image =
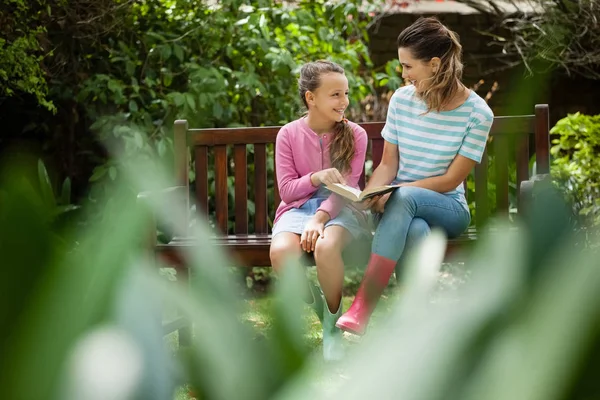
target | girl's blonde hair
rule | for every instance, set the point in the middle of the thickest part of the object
(341, 150)
(427, 38)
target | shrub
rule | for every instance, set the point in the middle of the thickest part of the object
(576, 150)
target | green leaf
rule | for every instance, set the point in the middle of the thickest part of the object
(65, 195)
(45, 185)
(99, 172)
(167, 79)
(156, 36)
(178, 98)
(133, 107)
(114, 86)
(112, 172)
(178, 50)
(165, 51)
(130, 68)
(139, 140)
(189, 98)
(217, 110)
(161, 147)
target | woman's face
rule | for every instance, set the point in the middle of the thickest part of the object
(417, 72)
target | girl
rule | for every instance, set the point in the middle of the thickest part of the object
(435, 132)
(319, 149)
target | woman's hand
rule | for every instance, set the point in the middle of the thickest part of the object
(378, 205)
(313, 230)
(368, 203)
(327, 177)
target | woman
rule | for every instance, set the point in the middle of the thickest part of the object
(435, 132)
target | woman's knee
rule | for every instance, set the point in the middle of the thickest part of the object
(402, 197)
(417, 231)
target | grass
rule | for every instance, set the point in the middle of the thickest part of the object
(260, 313)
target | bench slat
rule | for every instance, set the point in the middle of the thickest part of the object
(243, 135)
(221, 196)
(260, 188)
(241, 194)
(522, 124)
(201, 169)
(362, 181)
(542, 139)
(501, 152)
(276, 196)
(481, 195)
(522, 152)
(377, 151)
(181, 152)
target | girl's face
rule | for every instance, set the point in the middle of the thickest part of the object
(417, 72)
(330, 100)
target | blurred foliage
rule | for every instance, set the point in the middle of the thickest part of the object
(85, 321)
(575, 166)
(57, 201)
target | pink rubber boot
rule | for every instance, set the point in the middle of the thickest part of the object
(377, 275)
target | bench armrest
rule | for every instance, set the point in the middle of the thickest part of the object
(526, 191)
(170, 191)
(169, 208)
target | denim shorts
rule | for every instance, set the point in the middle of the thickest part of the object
(295, 220)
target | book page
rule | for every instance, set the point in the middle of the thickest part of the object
(350, 189)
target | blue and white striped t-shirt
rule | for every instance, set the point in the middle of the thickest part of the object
(429, 141)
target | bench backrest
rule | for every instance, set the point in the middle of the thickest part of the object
(231, 149)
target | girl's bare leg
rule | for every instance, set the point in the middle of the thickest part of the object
(330, 265)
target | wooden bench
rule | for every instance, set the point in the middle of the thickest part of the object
(244, 152)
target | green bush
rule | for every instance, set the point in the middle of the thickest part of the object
(575, 166)
(231, 65)
(21, 51)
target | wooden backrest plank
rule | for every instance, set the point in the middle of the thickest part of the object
(267, 134)
(542, 139)
(501, 144)
(181, 152)
(221, 195)
(522, 160)
(276, 196)
(362, 181)
(241, 191)
(377, 146)
(260, 188)
(201, 170)
(481, 191)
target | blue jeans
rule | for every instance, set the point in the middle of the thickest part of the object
(409, 215)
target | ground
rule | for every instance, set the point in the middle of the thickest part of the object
(259, 314)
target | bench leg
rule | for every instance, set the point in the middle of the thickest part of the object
(185, 336)
(185, 332)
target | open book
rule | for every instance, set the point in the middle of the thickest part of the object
(356, 195)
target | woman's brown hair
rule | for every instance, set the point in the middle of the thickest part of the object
(341, 150)
(427, 38)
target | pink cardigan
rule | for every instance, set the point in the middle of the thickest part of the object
(299, 153)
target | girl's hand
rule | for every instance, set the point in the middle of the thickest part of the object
(313, 230)
(327, 177)
(378, 205)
